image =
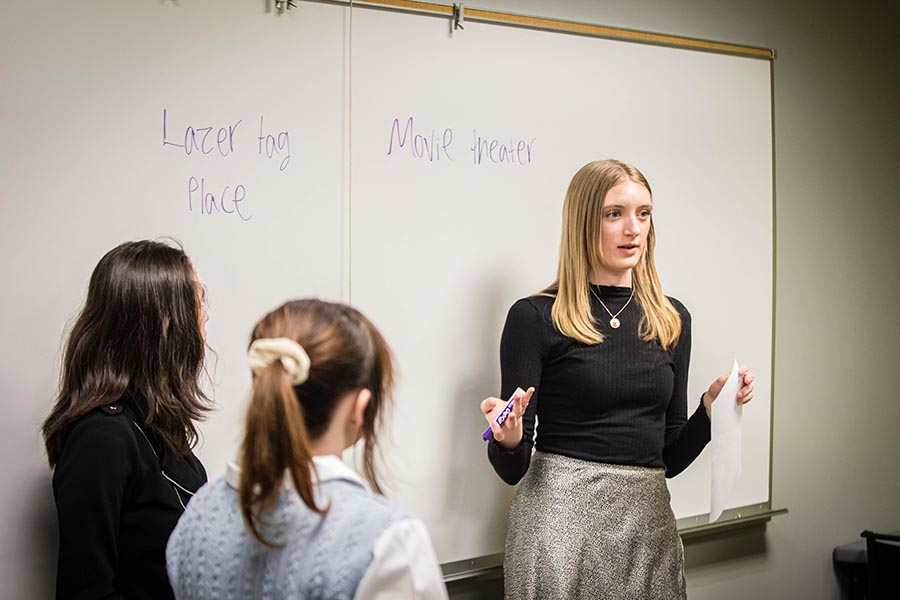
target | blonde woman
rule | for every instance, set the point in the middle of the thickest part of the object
(606, 355)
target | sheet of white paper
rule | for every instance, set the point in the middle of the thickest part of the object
(726, 444)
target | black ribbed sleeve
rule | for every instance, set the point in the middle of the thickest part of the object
(620, 402)
(522, 354)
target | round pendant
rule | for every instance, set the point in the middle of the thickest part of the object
(614, 323)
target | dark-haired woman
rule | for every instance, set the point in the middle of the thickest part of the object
(120, 434)
(294, 521)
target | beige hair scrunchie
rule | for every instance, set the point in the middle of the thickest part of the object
(263, 352)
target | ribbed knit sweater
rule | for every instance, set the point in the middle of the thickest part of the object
(622, 402)
(211, 555)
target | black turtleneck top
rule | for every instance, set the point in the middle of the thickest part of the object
(621, 402)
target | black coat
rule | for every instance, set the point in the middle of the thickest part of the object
(119, 493)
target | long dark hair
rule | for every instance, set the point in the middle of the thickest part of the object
(138, 333)
(346, 353)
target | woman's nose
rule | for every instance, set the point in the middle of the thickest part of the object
(632, 225)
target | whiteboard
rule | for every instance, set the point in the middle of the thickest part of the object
(432, 241)
(462, 148)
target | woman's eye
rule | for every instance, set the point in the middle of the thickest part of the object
(613, 214)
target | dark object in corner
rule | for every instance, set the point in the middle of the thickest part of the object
(883, 551)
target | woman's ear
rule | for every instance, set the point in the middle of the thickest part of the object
(358, 406)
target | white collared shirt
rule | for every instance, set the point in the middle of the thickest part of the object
(404, 565)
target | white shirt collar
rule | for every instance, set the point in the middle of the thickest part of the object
(328, 468)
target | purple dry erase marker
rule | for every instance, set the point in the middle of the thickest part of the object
(487, 435)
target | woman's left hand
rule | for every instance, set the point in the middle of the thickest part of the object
(745, 394)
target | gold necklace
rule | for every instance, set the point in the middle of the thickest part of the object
(613, 318)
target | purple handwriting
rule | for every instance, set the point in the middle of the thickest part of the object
(197, 138)
(228, 201)
(209, 140)
(206, 140)
(516, 152)
(432, 147)
(275, 145)
(427, 148)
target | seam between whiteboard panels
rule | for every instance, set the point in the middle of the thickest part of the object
(349, 175)
(350, 163)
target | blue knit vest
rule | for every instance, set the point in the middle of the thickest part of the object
(212, 555)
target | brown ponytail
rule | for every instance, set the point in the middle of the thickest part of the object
(275, 441)
(346, 353)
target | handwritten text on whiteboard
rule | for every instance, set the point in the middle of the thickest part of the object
(437, 145)
(211, 198)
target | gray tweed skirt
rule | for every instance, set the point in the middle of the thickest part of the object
(580, 529)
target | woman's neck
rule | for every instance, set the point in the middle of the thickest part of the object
(330, 442)
(604, 277)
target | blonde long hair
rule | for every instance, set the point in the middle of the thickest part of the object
(580, 253)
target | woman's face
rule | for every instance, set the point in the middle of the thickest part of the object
(625, 225)
(201, 299)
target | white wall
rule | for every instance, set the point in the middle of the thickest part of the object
(837, 148)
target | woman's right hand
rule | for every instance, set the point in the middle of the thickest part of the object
(508, 435)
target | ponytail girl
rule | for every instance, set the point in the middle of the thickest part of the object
(292, 520)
